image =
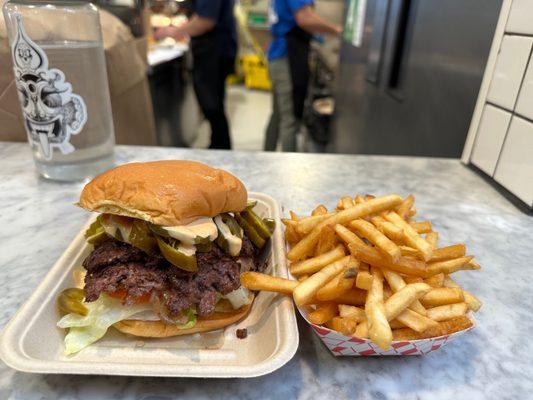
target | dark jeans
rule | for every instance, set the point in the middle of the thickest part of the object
(209, 79)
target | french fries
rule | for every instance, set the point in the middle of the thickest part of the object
(413, 279)
(443, 328)
(415, 321)
(308, 288)
(397, 283)
(306, 225)
(338, 285)
(441, 296)
(448, 252)
(323, 313)
(406, 265)
(446, 312)
(388, 228)
(346, 326)
(356, 313)
(403, 298)
(369, 270)
(449, 266)
(405, 207)
(259, 281)
(345, 203)
(411, 236)
(421, 227)
(305, 246)
(435, 280)
(382, 242)
(319, 210)
(363, 280)
(352, 297)
(433, 239)
(327, 240)
(376, 318)
(472, 301)
(312, 265)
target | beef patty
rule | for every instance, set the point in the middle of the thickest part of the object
(115, 265)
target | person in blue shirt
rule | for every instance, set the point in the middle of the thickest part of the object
(292, 24)
(214, 47)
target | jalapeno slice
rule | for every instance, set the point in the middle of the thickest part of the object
(232, 224)
(158, 230)
(203, 245)
(250, 231)
(257, 223)
(251, 204)
(222, 242)
(142, 238)
(95, 234)
(71, 301)
(169, 250)
(270, 223)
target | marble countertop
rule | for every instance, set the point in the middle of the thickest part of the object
(38, 221)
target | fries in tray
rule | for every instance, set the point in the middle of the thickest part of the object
(369, 272)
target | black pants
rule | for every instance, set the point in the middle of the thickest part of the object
(209, 79)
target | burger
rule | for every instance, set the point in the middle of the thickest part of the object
(166, 253)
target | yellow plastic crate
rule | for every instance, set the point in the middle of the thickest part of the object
(255, 70)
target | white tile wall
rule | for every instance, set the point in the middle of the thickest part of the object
(520, 17)
(515, 167)
(524, 105)
(491, 133)
(509, 71)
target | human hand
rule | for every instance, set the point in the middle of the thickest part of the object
(170, 31)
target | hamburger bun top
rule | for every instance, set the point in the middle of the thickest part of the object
(168, 193)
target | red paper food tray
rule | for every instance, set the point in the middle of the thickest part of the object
(341, 345)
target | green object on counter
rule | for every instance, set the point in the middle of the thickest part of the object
(169, 250)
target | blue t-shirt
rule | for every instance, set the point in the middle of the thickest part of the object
(222, 12)
(281, 19)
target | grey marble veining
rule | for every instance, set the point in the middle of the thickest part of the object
(38, 220)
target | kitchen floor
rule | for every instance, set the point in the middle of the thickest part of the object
(248, 112)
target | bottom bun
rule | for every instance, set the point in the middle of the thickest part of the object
(159, 329)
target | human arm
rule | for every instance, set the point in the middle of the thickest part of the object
(310, 21)
(196, 26)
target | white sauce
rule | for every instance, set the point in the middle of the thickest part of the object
(234, 242)
(239, 297)
(187, 249)
(114, 223)
(202, 227)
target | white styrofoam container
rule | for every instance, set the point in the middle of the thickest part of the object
(31, 342)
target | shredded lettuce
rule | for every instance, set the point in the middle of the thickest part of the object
(104, 312)
(192, 318)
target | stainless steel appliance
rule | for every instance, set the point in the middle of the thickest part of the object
(411, 87)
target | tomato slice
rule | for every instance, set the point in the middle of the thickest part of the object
(121, 295)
